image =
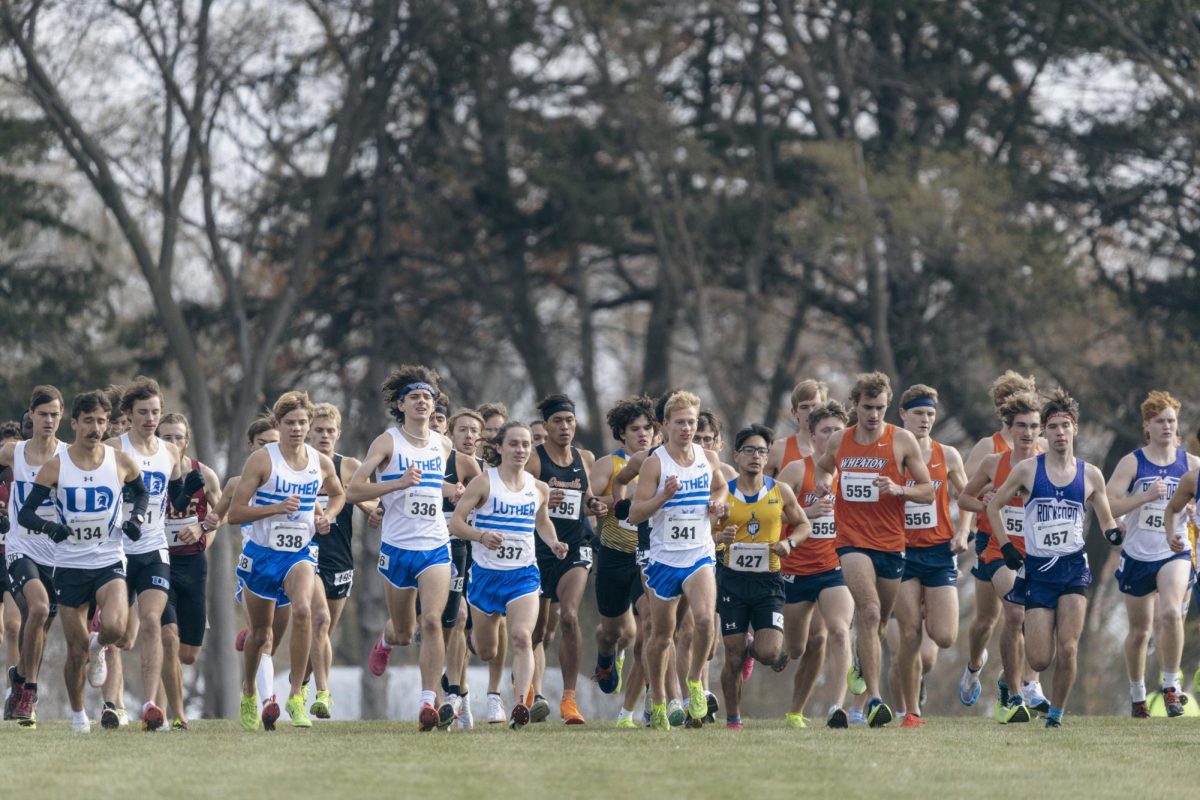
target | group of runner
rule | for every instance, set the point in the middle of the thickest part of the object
(818, 546)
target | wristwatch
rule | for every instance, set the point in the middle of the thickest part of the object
(137, 517)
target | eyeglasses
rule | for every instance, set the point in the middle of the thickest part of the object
(753, 451)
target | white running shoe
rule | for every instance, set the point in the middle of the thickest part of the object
(495, 714)
(97, 666)
(81, 725)
(465, 721)
(968, 686)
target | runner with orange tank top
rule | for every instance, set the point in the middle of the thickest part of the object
(993, 580)
(928, 598)
(813, 580)
(871, 458)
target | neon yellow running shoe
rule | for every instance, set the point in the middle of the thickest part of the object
(696, 698)
(658, 717)
(620, 667)
(304, 693)
(854, 679)
(796, 721)
(295, 709)
(322, 707)
(627, 724)
(248, 713)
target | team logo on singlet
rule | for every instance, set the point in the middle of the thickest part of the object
(753, 526)
(863, 462)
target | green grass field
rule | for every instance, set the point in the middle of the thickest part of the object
(1091, 757)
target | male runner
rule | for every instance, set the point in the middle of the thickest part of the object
(1022, 417)
(277, 495)
(1155, 560)
(439, 420)
(564, 468)
(872, 457)
(190, 530)
(10, 433)
(409, 462)
(680, 488)
(813, 580)
(751, 591)
(1055, 574)
(928, 597)
(88, 479)
(29, 557)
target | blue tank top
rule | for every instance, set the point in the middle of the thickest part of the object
(1054, 514)
(1145, 536)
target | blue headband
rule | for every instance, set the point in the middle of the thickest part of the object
(412, 387)
(920, 402)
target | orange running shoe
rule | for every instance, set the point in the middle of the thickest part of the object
(912, 721)
(569, 710)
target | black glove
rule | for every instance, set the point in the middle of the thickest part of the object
(621, 509)
(57, 532)
(193, 482)
(132, 530)
(1114, 536)
(1012, 556)
(3, 523)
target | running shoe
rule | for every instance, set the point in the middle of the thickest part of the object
(795, 720)
(247, 713)
(969, 687)
(733, 726)
(152, 717)
(239, 641)
(854, 679)
(94, 622)
(270, 713)
(519, 717)
(428, 718)
(1172, 702)
(377, 661)
(1015, 711)
(295, 709)
(922, 697)
(1051, 722)
(912, 721)
(448, 711)
(322, 707)
(465, 721)
(620, 671)
(713, 707)
(1140, 711)
(122, 718)
(857, 717)
(626, 723)
(539, 709)
(607, 678)
(781, 663)
(837, 719)
(25, 704)
(569, 711)
(748, 659)
(97, 667)
(10, 702)
(179, 725)
(110, 721)
(696, 697)
(675, 714)
(878, 713)
(81, 725)
(1196, 680)
(495, 711)
(658, 717)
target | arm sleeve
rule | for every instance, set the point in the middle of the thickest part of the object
(28, 514)
(135, 491)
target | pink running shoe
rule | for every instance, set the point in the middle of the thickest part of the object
(748, 663)
(239, 643)
(378, 660)
(94, 625)
(733, 726)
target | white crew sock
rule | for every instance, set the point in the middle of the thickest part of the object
(1137, 691)
(264, 679)
(1170, 680)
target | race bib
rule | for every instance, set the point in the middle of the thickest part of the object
(859, 487)
(87, 529)
(245, 563)
(513, 549)
(343, 578)
(750, 556)
(570, 506)
(585, 554)
(422, 503)
(822, 527)
(1014, 520)
(176, 527)
(626, 525)
(1151, 517)
(289, 536)
(1056, 537)
(683, 527)
(920, 515)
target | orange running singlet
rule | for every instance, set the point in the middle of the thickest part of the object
(929, 525)
(998, 446)
(1014, 519)
(817, 553)
(865, 517)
